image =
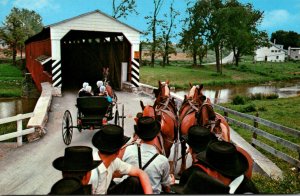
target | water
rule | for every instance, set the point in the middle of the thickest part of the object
(225, 94)
(13, 106)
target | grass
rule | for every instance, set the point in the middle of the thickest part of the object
(12, 127)
(181, 73)
(10, 81)
(283, 111)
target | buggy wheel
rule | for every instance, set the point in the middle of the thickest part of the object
(79, 125)
(123, 116)
(117, 122)
(67, 127)
(175, 158)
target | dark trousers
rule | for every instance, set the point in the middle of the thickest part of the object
(130, 185)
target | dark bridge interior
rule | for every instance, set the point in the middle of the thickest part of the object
(85, 53)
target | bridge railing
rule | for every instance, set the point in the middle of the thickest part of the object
(20, 131)
(257, 131)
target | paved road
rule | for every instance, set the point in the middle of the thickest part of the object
(28, 170)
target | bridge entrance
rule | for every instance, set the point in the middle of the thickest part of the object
(85, 53)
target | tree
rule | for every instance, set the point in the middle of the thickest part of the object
(18, 26)
(167, 33)
(123, 7)
(192, 35)
(206, 13)
(286, 38)
(240, 34)
(153, 21)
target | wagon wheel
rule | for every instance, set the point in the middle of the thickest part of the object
(67, 127)
(79, 123)
(117, 121)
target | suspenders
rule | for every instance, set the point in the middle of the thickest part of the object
(140, 158)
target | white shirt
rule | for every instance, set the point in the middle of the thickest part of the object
(94, 180)
(102, 176)
(158, 170)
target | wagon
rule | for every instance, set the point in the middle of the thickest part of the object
(92, 113)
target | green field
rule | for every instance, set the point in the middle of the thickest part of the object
(181, 73)
(281, 111)
(10, 81)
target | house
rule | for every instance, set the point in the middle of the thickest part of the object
(76, 50)
(294, 53)
(273, 53)
(3, 45)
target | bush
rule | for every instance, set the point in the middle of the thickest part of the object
(261, 96)
(272, 96)
(262, 109)
(257, 96)
(248, 108)
(238, 100)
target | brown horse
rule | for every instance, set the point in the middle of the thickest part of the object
(196, 109)
(165, 111)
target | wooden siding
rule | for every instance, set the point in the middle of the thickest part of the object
(94, 22)
(34, 50)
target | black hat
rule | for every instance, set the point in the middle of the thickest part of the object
(201, 183)
(76, 158)
(223, 157)
(67, 186)
(198, 138)
(147, 128)
(110, 138)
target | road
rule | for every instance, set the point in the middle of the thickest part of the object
(28, 170)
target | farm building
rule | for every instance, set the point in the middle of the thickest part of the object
(273, 53)
(294, 53)
(76, 50)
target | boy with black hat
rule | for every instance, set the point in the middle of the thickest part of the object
(78, 162)
(109, 141)
(197, 138)
(146, 156)
(68, 186)
(223, 161)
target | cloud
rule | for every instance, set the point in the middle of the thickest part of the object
(36, 5)
(3, 2)
(276, 18)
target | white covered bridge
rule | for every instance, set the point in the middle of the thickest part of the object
(75, 50)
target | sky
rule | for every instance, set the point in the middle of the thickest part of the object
(278, 14)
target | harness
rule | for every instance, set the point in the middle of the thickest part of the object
(167, 109)
(194, 106)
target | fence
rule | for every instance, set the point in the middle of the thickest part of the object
(20, 132)
(256, 131)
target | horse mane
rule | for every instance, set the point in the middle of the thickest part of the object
(192, 92)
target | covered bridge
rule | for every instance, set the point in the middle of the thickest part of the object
(76, 50)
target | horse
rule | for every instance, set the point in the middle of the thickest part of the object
(196, 109)
(165, 111)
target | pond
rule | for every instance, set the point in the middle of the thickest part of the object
(13, 106)
(225, 94)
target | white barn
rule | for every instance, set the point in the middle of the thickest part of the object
(78, 48)
(294, 53)
(274, 53)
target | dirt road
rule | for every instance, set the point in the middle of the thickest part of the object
(28, 169)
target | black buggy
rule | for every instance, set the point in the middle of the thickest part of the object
(92, 113)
